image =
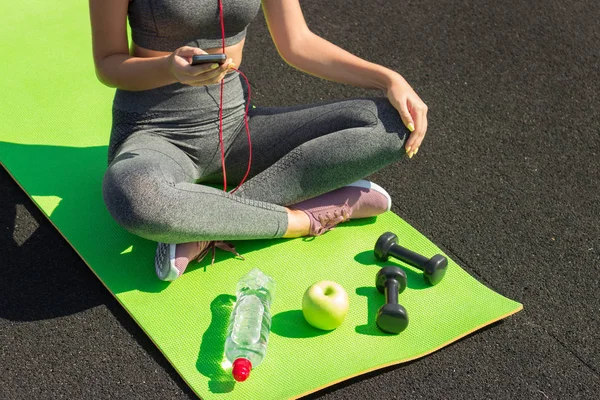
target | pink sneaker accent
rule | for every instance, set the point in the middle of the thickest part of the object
(171, 260)
(360, 199)
(185, 252)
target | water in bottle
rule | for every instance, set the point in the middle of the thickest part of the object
(249, 323)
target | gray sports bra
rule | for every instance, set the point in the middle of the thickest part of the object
(166, 25)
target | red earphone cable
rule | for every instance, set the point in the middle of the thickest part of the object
(247, 134)
(221, 143)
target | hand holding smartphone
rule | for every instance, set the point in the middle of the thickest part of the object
(200, 59)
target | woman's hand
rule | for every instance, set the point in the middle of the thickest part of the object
(196, 75)
(413, 112)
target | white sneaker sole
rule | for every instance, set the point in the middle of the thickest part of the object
(164, 262)
(365, 184)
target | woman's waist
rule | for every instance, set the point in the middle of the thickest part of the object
(178, 98)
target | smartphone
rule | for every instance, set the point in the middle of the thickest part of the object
(199, 59)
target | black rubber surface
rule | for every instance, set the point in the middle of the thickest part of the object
(507, 182)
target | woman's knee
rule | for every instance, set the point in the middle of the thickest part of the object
(389, 117)
(131, 198)
(388, 131)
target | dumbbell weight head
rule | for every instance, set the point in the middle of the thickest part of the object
(435, 269)
(391, 317)
(383, 245)
(388, 273)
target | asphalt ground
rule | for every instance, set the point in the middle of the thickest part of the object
(507, 182)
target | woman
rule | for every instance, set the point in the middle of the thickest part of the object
(165, 150)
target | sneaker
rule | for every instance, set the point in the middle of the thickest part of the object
(171, 260)
(360, 199)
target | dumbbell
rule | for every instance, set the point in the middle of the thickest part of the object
(434, 268)
(391, 317)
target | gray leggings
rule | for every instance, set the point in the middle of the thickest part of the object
(164, 159)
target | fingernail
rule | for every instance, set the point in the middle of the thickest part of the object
(410, 155)
(408, 149)
(411, 127)
(416, 151)
(214, 66)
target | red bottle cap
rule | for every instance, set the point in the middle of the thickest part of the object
(241, 369)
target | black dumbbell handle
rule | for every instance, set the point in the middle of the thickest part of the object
(406, 255)
(391, 291)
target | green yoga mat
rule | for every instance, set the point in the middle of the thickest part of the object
(55, 123)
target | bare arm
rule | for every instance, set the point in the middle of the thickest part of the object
(304, 50)
(310, 53)
(115, 67)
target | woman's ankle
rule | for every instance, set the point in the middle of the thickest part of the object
(298, 224)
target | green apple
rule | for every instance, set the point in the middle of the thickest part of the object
(325, 305)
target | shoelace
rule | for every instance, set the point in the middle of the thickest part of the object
(212, 245)
(328, 222)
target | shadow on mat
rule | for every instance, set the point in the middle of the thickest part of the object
(211, 358)
(374, 301)
(292, 324)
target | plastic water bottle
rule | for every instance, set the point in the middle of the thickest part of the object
(249, 323)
